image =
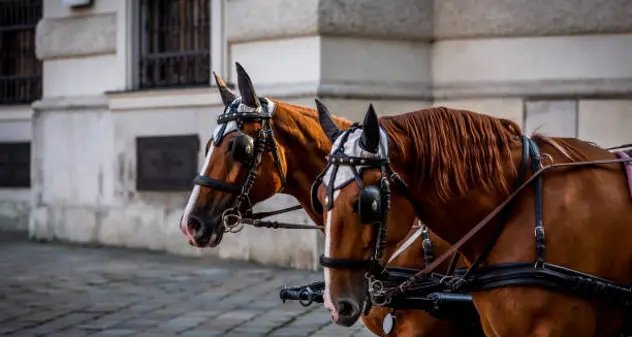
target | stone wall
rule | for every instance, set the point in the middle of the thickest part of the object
(552, 66)
(559, 67)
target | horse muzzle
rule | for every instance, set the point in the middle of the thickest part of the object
(203, 233)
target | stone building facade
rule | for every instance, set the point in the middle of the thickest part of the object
(118, 76)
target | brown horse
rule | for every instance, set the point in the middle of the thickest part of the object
(302, 148)
(460, 165)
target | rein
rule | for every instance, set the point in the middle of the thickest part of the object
(255, 220)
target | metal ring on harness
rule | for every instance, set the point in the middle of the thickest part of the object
(548, 156)
(231, 218)
(376, 289)
(309, 294)
(380, 303)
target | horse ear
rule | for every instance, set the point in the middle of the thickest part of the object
(370, 131)
(246, 89)
(228, 96)
(326, 121)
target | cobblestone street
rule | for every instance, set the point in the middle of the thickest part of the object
(55, 289)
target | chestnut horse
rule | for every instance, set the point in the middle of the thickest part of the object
(301, 151)
(460, 166)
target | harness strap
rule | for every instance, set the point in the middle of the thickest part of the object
(536, 163)
(452, 265)
(274, 149)
(420, 275)
(335, 263)
(217, 184)
(261, 215)
(526, 149)
(427, 246)
(276, 224)
(552, 277)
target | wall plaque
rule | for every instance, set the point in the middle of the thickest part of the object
(166, 163)
(15, 164)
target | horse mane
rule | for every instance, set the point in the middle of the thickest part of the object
(459, 149)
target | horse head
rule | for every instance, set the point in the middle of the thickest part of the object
(355, 205)
(241, 149)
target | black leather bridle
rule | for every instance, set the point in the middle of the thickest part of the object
(373, 265)
(264, 141)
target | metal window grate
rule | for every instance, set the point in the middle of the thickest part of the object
(174, 43)
(20, 70)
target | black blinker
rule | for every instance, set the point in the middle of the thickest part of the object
(243, 148)
(370, 205)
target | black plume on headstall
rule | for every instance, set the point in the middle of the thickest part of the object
(228, 96)
(370, 131)
(327, 122)
(247, 90)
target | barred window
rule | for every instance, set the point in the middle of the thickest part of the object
(20, 70)
(174, 43)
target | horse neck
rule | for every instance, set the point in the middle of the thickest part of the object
(298, 132)
(453, 218)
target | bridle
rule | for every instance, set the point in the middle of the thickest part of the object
(373, 204)
(248, 152)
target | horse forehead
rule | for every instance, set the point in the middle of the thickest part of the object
(232, 125)
(352, 148)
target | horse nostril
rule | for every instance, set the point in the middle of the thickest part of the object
(347, 308)
(194, 223)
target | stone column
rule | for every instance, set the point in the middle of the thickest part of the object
(348, 53)
(72, 158)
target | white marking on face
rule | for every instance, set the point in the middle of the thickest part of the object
(327, 296)
(194, 196)
(343, 176)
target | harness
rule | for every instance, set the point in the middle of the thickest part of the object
(394, 289)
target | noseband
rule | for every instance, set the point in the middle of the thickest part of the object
(248, 152)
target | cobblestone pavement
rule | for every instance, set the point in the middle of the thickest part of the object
(54, 289)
